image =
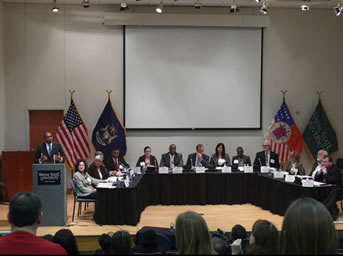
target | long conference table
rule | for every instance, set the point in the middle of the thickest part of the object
(123, 206)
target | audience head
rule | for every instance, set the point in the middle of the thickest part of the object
(105, 243)
(81, 166)
(320, 155)
(172, 149)
(238, 232)
(115, 153)
(66, 239)
(294, 157)
(240, 151)
(308, 229)
(121, 242)
(200, 148)
(327, 161)
(266, 145)
(48, 137)
(220, 149)
(148, 239)
(25, 210)
(147, 151)
(192, 235)
(263, 238)
(48, 237)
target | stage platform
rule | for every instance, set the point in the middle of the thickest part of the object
(216, 216)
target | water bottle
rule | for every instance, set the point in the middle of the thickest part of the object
(172, 227)
(118, 182)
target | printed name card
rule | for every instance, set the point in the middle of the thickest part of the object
(200, 170)
(290, 178)
(307, 183)
(177, 170)
(226, 169)
(265, 169)
(248, 169)
(132, 173)
(163, 170)
(137, 170)
(241, 168)
(278, 175)
(127, 182)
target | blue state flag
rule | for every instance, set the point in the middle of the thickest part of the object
(109, 133)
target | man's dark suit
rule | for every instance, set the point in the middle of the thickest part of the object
(110, 165)
(55, 149)
(245, 159)
(332, 176)
(261, 159)
(165, 160)
(192, 158)
(92, 171)
(314, 168)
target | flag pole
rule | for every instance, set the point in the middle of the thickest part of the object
(320, 95)
(71, 93)
(283, 95)
(109, 94)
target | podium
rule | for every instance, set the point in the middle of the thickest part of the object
(49, 184)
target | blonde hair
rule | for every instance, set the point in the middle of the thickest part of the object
(294, 154)
(192, 235)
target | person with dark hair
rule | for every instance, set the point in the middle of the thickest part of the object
(308, 229)
(24, 215)
(48, 237)
(238, 232)
(148, 243)
(220, 158)
(198, 158)
(105, 243)
(66, 239)
(114, 164)
(147, 160)
(83, 181)
(49, 151)
(121, 243)
(240, 159)
(172, 158)
(97, 169)
(263, 238)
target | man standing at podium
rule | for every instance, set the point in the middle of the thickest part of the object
(49, 152)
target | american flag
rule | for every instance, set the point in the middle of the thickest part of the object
(284, 134)
(73, 136)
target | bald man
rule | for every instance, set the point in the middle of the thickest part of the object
(267, 157)
(172, 158)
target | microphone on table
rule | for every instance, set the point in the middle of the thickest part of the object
(260, 161)
(191, 163)
(155, 165)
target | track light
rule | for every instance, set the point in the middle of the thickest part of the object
(197, 4)
(338, 9)
(234, 8)
(55, 9)
(305, 7)
(258, 1)
(263, 9)
(123, 5)
(86, 3)
(159, 8)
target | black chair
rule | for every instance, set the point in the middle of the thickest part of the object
(79, 200)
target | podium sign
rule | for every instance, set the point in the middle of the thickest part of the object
(49, 184)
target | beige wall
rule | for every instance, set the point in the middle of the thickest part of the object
(47, 54)
(2, 81)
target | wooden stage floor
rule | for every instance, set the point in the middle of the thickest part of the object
(216, 216)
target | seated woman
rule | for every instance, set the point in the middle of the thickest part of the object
(147, 159)
(97, 169)
(220, 158)
(83, 181)
(293, 166)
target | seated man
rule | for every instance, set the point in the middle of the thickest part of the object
(49, 152)
(266, 157)
(171, 159)
(25, 213)
(240, 159)
(198, 158)
(317, 165)
(115, 162)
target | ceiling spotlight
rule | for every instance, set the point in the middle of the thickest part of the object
(123, 6)
(197, 4)
(234, 8)
(337, 10)
(85, 3)
(263, 9)
(258, 1)
(159, 8)
(55, 9)
(305, 7)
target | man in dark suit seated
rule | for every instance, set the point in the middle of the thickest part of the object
(172, 158)
(113, 165)
(198, 158)
(49, 151)
(266, 157)
(240, 159)
(317, 165)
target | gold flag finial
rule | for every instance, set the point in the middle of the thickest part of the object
(284, 94)
(71, 93)
(320, 94)
(109, 93)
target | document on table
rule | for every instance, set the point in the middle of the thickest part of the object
(105, 185)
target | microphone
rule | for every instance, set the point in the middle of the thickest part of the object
(155, 165)
(260, 161)
(191, 163)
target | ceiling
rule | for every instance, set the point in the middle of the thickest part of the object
(205, 3)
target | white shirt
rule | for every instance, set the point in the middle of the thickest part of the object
(316, 170)
(267, 158)
(172, 160)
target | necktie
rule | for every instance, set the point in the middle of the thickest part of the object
(116, 166)
(49, 150)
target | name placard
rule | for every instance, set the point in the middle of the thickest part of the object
(49, 177)
(278, 175)
(290, 178)
(163, 170)
(126, 183)
(265, 169)
(248, 169)
(226, 169)
(177, 170)
(200, 169)
(307, 183)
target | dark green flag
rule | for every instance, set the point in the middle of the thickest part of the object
(319, 134)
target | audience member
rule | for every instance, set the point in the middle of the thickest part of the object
(147, 243)
(293, 166)
(105, 243)
(263, 238)
(192, 235)
(66, 239)
(238, 232)
(307, 229)
(48, 237)
(121, 243)
(25, 213)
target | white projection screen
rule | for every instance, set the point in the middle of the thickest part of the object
(192, 77)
